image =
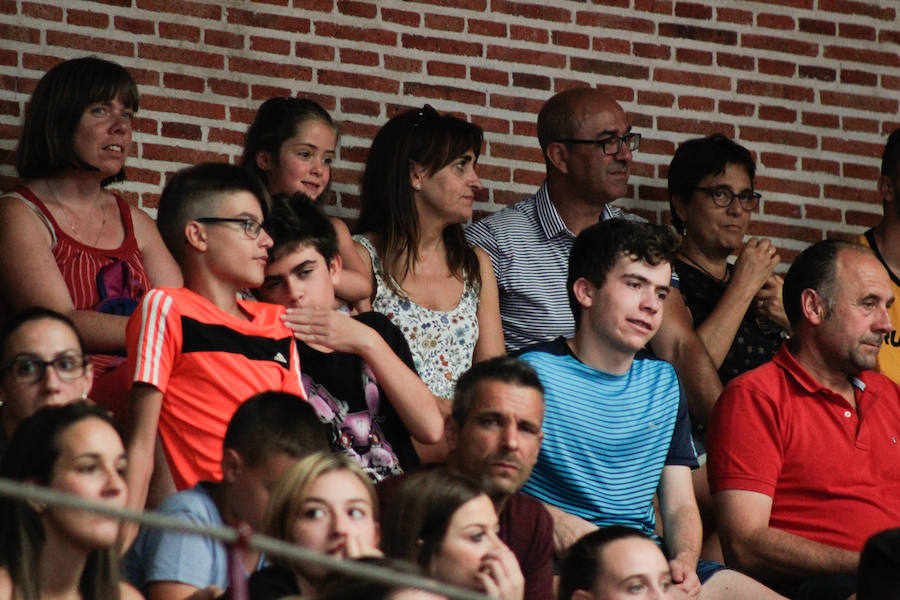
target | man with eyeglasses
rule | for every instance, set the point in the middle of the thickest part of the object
(884, 240)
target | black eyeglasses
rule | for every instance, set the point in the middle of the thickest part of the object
(611, 145)
(251, 227)
(28, 369)
(723, 196)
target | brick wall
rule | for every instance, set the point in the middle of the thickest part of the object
(810, 86)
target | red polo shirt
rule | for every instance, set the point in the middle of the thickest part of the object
(833, 472)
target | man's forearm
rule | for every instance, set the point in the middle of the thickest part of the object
(567, 528)
(698, 375)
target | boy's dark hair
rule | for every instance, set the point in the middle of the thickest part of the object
(879, 565)
(506, 369)
(890, 158)
(339, 586)
(581, 565)
(815, 268)
(700, 157)
(56, 107)
(597, 249)
(275, 423)
(34, 313)
(294, 222)
(193, 193)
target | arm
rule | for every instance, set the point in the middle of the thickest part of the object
(772, 303)
(752, 269)
(678, 343)
(768, 553)
(415, 404)
(567, 528)
(145, 402)
(161, 268)
(490, 331)
(355, 283)
(681, 526)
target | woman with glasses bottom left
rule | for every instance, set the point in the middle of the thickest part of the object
(47, 551)
(42, 363)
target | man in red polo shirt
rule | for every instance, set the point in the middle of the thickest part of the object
(803, 451)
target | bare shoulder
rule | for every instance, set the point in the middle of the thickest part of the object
(126, 592)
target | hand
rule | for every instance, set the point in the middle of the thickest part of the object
(326, 327)
(354, 547)
(685, 577)
(207, 593)
(769, 304)
(500, 575)
(755, 263)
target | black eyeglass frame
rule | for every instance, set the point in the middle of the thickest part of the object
(631, 140)
(43, 364)
(251, 227)
(747, 200)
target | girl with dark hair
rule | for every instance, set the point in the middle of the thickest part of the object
(291, 146)
(417, 190)
(63, 552)
(445, 523)
(69, 243)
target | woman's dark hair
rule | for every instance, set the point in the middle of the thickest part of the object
(34, 313)
(432, 141)
(278, 120)
(582, 563)
(416, 520)
(56, 107)
(698, 158)
(30, 457)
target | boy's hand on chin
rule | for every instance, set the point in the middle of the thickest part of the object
(327, 327)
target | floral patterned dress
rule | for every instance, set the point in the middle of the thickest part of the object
(441, 342)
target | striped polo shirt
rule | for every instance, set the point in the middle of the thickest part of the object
(529, 246)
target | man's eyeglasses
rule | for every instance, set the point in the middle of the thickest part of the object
(251, 227)
(28, 369)
(723, 196)
(611, 145)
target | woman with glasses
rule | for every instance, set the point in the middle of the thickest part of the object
(736, 308)
(68, 242)
(42, 363)
(417, 190)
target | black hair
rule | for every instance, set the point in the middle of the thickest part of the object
(506, 369)
(34, 313)
(879, 563)
(581, 564)
(339, 586)
(815, 269)
(890, 158)
(296, 221)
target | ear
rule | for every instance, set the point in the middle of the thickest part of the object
(581, 595)
(335, 268)
(264, 160)
(417, 176)
(584, 292)
(886, 189)
(678, 207)
(195, 236)
(232, 465)
(813, 306)
(558, 155)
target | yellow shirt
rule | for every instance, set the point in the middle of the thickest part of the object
(889, 355)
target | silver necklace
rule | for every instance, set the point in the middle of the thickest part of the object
(72, 225)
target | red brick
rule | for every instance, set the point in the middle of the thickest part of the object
(146, 126)
(530, 81)
(890, 82)
(700, 34)
(775, 90)
(528, 57)
(490, 28)
(856, 32)
(441, 45)
(822, 213)
(184, 82)
(9, 58)
(529, 34)
(704, 80)
(770, 21)
(850, 194)
(444, 23)
(698, 103)
(691, 10)
(612, 44)
(15, 33)
(183, 131)
(403, 64)
(144, 175)
(270, 45)
(445, 92)
(607, 67)
(777, 160)
(851, 147)
(694, 57)
(525, 128)
(505, 198)
(777, 113)
(864, 172)
(864, 219)
(615, 22)
(493, 172)
(86, 18)
(694, 126)
(229, 87)
(516, 103)
(542, 12)
(817, 26)
(180, 106)
(353, 8)
(137, 26)
(816, 165)
(195, 58)
(528, 177)
(652, 193)
(779, 136)
(180, 154)
(661, 7)
(567, 83)
(401, 17)
(806, 4)
(730, 107)
(177, 31)
(886, 36)
(306, 51)
(359, 57)
(491, 124)
(734, 61)
(829, 120)
(269, 21)
(820, 73)
(360, 107)
(789, 46)
(860, 102)
(859, 9)
(223, 39)
(782, 68)
(184, 7)
(371, 83)
(8, 107)
(658, 51)
(657, 146)
(639, 120)
(570, 39)
(8, 7)
(882, 59)
(489, 75)
(647, 98)
(284, 70)
(42, 11)
(853, 76)
(781, 209)
(83, 43)
(734, 15)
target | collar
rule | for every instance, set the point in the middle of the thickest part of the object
(784, 359)
(548, 218)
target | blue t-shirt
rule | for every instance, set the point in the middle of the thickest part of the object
(607, 437)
